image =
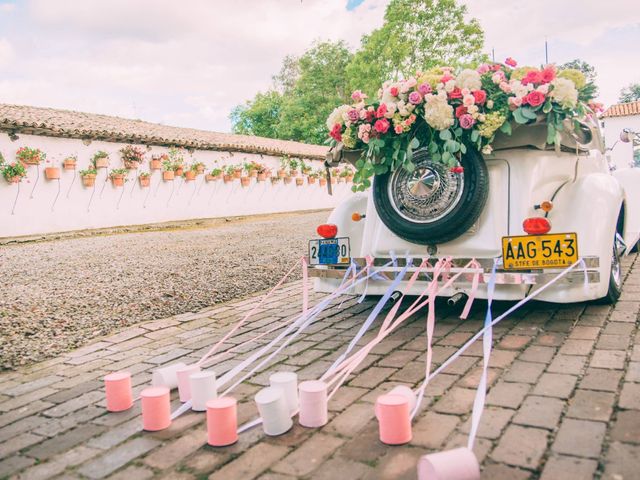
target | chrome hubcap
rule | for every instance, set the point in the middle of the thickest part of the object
(616, 272)
(428, 193)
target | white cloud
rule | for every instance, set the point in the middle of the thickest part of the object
(189, 63)
(7, 7)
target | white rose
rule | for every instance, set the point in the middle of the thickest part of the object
(564, 92)
(487, 149)
(339, 115)
(489, 104)
(470, 79)
(437, 112)
(449, 86)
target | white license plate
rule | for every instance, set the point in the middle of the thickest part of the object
(329, 251)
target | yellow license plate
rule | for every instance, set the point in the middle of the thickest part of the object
(553, 250)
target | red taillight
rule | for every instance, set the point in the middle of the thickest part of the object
(536, 225)
(327, 230)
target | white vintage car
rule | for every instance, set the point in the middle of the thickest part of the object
(535, 207)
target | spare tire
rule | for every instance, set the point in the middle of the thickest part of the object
(432, 204)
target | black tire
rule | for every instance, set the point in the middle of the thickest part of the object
(461, 212)
(615, 278)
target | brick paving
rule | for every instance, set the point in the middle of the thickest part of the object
(564, 399)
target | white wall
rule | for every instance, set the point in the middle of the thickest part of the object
(75, 208)
(622, 153)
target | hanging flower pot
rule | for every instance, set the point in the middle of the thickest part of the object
(15, 179)
(131, 164)
(340, 179)
(237, 173)
(245, 181)
(168, 175)
(89, 179)
(275, 180)
(253, 173)
(209, 178)
(322, 182)
(52, 173)
(117, 179)
(30, 156)
(311, 180)
(189, 175)
(261, 177)
(200, 168)
(227, 178)
(69, 163)
(282, 173)
(179, 171)
(155, 164)
(145, 180)
(287, 180)
(349, 178)
(299, 181)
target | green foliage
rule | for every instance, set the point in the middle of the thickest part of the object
(11, 170)
(118, 171)
(587, 69)
(416, 35)
(88, 171)
(630, 93)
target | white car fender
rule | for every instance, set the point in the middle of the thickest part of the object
(347, 227)
(589, 207)
(629, 179)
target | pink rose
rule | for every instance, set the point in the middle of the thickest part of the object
(511, 62)
(515, 102)
(353, 115)
(398, 129)
(394, 91)
(468, 100)
(460, 110)
(482, 69)
(505, 87)
(466, 121)
(382, 110)
(535, 98)
(446, 77)
(424, 88)
(498, 77)
(381, 126)
(415, 98)
(548, 74)
(480, 96)
(358, 96)
(532, 76)
(455, 93)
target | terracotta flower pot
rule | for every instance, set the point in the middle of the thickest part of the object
(275, 180)
(322, 182)
(117, 180)
(262, 177)
(349, 178)
(245, 181)
(227, 178)
(253, 173)
(144, 181)
(131, 165)
(200, 168)
(189, 175)
(102, 163)
(179, 171)
(31, 161)
(69, 164)
(155, 164)
(311, 180)
(209, 178)
(219, 176)
(341, 180)
(89, 180)
(237, 173)
(287, 180)
(15, 179)
(52, 173)
(282, 173)
(168, 175)
(299, 181)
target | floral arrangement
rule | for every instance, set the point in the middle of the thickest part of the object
(12, 172)
(132, 156)
(30, 156)
(449, 112)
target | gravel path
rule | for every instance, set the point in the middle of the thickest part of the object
(58, 295)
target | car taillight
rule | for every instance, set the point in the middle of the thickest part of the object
(536, 225)
(327, 230)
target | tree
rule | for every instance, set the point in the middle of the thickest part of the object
(259, 116)
(286, 79)
(587, 69)
(630, 93)
(416, 35)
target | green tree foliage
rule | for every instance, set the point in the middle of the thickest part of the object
(415, 35)
(630, 93)
(587, 69)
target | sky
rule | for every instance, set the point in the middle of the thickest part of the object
(189, 63)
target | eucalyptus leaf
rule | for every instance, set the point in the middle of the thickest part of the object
(415, 143)
(475, 134)
(528, 113)
(445, 135)
(506, 128)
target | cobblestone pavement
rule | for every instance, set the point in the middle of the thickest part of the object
(564, 401)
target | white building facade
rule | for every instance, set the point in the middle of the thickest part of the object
(617, 118)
